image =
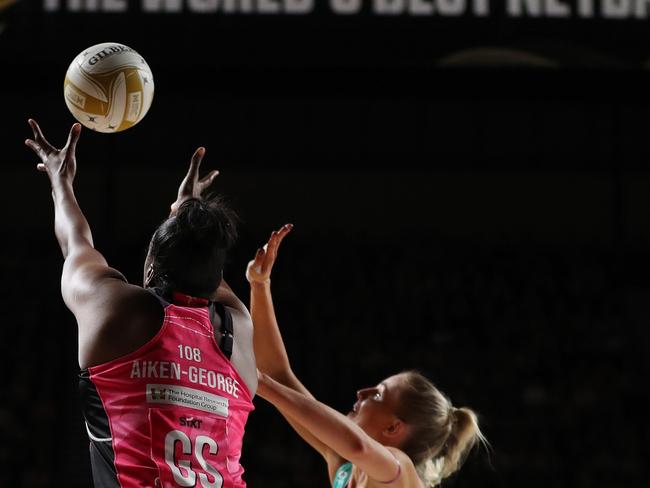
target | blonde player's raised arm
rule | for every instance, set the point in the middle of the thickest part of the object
(270, 353)
(403, 432)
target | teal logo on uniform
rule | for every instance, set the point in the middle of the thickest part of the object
(342, 476)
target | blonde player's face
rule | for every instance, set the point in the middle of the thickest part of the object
(375, 407)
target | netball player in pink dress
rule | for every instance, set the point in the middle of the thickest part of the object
(402, 433)
(167, 370)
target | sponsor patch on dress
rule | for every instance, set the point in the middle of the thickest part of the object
(187, 397)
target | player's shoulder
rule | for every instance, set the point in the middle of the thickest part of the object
(241, 317)
(408, 473)
(400, 455)
(128, 318)
(116, 300)
(126, 299)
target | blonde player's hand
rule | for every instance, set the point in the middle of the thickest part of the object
(59, 164)
(259, 269)
(192, 186)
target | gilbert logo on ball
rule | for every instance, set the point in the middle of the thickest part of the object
(108, 87)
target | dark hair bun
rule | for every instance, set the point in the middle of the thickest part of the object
(189, 249)
(209, 222)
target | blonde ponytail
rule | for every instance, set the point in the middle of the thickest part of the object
(442, 435)
(431, 471)
(465, 434)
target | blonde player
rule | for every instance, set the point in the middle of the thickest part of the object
(402, 432)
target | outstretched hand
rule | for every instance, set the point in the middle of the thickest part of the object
(259, 269)
(192, 186)
(59, 164)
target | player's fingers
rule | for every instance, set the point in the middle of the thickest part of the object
(38, 134)
(207, 180)
(35, 129)
(268, 258)
(31, 144)
(259, 258)
(41, 167)
(284, 230)
(249, 270)
(34, 146)
(73, 137)
(273, 241)
(195, 162)
(282, 233)
(274, 244)
(256, 264)
(277, 239)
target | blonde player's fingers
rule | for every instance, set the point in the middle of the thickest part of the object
(271, 242)
(273, 245)
(257, 264)
(267, 263)
(282, 233)
(259, 257)
(278, 237)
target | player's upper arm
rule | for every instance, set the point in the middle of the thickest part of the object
(114, 317)
(243, 357)
(84, 272)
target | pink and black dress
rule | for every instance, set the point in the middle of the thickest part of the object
(172, 413)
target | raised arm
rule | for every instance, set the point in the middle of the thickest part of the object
(243, 356)
(193, 186)
(272, 357)
(341, 435)
(88, 284)
(70, 226)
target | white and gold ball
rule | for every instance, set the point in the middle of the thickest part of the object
(108, 87)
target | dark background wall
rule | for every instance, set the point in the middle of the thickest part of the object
(480, 217)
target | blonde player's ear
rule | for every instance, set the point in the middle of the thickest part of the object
(395, 429)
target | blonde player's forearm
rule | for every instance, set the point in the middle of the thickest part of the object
(330, 427)
(270, 352)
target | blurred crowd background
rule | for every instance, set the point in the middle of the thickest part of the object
(470, 199)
